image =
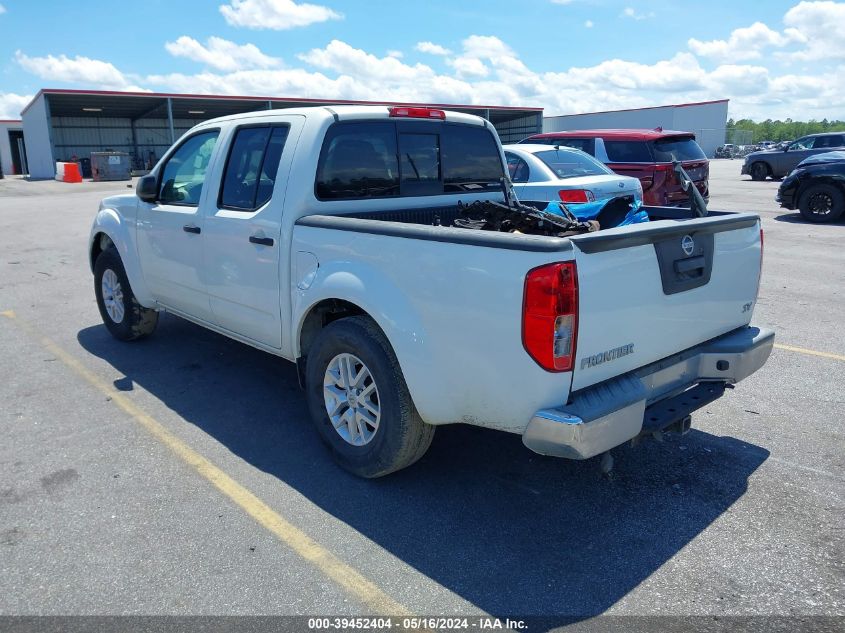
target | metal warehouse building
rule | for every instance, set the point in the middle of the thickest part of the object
(707, 120)
(12, 154)
(63, 125)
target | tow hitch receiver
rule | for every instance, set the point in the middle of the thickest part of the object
(673, 414)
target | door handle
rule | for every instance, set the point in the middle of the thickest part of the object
(693, 266)
(264, 241)
(191, 228)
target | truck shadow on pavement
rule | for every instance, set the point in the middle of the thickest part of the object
(513, 533)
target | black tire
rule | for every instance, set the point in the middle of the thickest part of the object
(821, 203)
(759, 171)
(401, 436)
(137, 321)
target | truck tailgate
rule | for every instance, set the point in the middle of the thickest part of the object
(651, 290)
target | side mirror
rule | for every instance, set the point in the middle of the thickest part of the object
(147, 188)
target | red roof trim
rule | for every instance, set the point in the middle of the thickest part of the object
(670, 105)
(160, 95)
(10, 121)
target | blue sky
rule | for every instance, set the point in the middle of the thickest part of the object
(772, 59)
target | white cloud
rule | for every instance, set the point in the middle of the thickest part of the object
(278, 15)
(396, 54)
(630, 12)
(469, 67)
(78, 69)
(2, 9)
(821, 27)
(589, 24)
(11, 104)
(814, 30)
(487, 46)
(432, 48)
(221, 54)
(342, 58)
(744, 43)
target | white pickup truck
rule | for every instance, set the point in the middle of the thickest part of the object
(326, 236)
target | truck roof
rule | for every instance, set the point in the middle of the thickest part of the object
(345, 113)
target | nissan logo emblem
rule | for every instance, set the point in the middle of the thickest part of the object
(688, 244)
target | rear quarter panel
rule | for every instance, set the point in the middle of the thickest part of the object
(453, 314)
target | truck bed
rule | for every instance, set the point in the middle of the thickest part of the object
(638, 288)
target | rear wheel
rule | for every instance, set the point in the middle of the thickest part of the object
(123, 316)
(822, 203)
(359, 401)
(759, 171)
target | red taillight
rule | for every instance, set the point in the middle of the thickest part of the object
(576, 196)
(550, 315)
(418, 113)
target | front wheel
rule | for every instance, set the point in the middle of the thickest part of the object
(821, 203)
(123, 316)
(359, 401)
(759, 171)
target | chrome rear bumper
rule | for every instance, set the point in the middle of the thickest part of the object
(607, 414)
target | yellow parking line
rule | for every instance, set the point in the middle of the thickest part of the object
(350, 579)
(811, 352)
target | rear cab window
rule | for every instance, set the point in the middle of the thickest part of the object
(375, 159)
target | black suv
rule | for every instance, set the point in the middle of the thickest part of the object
(816, 188)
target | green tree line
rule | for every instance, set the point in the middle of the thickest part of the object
(788, 130)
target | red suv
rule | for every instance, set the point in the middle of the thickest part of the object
(644, 154)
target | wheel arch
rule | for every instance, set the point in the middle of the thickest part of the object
(319, 315)
(357, 289)
(109, 229)
(766, 164)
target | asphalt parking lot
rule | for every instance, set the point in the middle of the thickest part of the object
(180, 475)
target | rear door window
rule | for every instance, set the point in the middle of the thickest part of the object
(517, 168)
(667, 150)
(358, 160)
(833, 140)
(251, 167)
(627, 151)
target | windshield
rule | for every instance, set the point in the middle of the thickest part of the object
(569, 164)
(669, 149)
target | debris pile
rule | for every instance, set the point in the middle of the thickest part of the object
(515, 217)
